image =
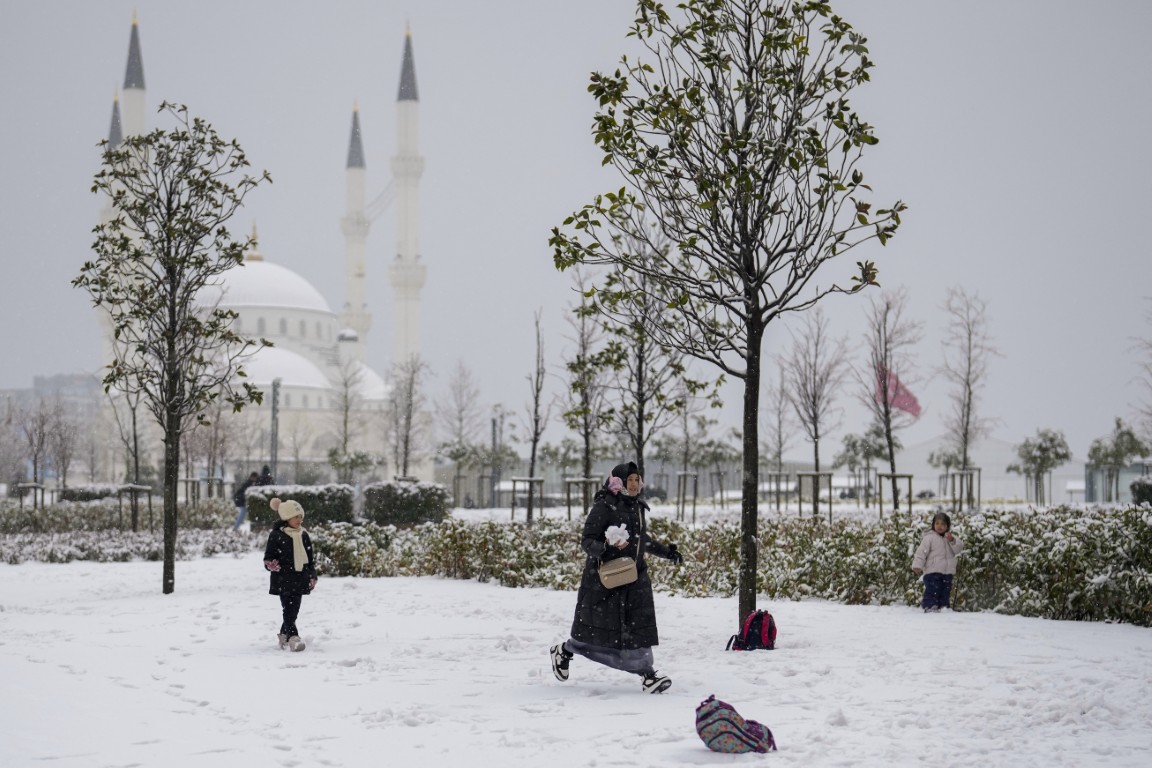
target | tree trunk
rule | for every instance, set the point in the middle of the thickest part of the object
(135, 473)
(750, 486)
(171, 483)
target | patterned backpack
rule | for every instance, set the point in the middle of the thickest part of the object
(722, 729)
(758, 632)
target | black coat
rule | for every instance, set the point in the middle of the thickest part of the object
(288, 580)
(238, 497)
(624, 617)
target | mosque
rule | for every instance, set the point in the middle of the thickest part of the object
(317, 361)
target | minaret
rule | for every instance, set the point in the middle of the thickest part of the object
(134, 85)
(355, 225)
(115, 138)
(407, 272)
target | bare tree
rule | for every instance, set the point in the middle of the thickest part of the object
(967, 350)
(35, 424)
(649, 384)
(814, 371)
(11, 454)
(775, 437)
(157, 260)
(125, 410)
(63, 440)
(404, 414)
(889, 341)
(347, 405)
(585, 404)
(733, 130)
(461, 421)
(460, 417)
(537, 413)
(1144, 348)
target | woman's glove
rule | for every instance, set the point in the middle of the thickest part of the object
(272, 565)
(311, 583)
(674, 554)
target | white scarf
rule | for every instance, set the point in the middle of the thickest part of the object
(299, 555)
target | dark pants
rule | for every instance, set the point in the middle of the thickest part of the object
(291, 604)
(937, 590)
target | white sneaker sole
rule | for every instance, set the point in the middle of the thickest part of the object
(556, 655)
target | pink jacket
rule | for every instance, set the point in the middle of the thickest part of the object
(936, 555)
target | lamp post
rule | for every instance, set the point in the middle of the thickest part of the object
(275, 425)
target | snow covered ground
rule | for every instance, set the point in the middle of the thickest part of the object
(100, 669)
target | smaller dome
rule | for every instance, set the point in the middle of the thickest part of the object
(292, 369)
(370, 385)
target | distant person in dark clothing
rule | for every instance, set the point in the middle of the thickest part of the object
(241, 502)
(266, 476)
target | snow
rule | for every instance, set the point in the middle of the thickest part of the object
(101, 669)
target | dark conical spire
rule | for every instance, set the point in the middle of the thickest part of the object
(134, 74)
(115, 133)
(355, 146)
(408, 72)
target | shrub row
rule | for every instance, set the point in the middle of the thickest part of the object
(1059, 563)
(121, 546)
(111, 515)
(384, 503)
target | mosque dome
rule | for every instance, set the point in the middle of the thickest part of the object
(292, 369)
(259, 283)
(370, 385)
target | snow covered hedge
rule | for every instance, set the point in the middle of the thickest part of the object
(121, 546)
(111, 515)
(331, 503)
(405, 503)
(1141, 489)
(1058, 563)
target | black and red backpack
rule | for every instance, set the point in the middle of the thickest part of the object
(757, 633)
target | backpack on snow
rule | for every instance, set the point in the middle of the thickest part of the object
(722, 729)
(758, 633)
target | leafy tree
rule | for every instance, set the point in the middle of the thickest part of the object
(1040, 456)
(861, 452)
(172, 193)
(1113, 453)
(735, 135)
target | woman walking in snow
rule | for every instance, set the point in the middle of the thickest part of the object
(288, 556)
(936, 559)
(617, 626)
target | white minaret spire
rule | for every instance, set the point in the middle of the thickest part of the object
(355, 225)
(407, 272)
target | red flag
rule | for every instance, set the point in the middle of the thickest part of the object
(898, 395)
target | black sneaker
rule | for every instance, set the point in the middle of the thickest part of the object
(560, 659)
(656, 683)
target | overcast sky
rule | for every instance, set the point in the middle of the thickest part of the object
(1016, 132)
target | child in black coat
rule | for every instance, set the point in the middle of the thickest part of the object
(289, 558)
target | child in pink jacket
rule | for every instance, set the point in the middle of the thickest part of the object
(936, 559)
